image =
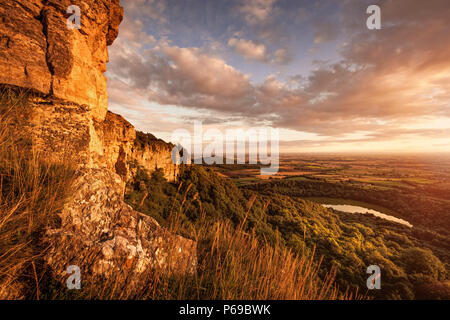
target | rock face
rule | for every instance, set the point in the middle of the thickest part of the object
(124, 149)
(39, 51)
(96, 222)
(69, 122)
(65, 130)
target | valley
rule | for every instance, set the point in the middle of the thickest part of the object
(287, 211)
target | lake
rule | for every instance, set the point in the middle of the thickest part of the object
(362, 210)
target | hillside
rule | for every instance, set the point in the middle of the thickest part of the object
(346, 242)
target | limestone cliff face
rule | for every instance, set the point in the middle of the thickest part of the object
(69, 122)
(65, 130)
(38, 50)
(124, 149)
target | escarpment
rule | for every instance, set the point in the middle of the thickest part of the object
(124, 149)
(69, 122)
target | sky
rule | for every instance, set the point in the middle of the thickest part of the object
(310, 68)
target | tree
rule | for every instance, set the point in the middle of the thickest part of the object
(423, 261)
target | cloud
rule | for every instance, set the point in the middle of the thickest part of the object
(266, 20)
(387, 79)
(325, 31)
(250, 50)
(282, 56)
(257, 12)
(132, 31)
(150, 9)
(193, 72)
(186, 77)
(254, 51)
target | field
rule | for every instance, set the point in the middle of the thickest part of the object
(284, 210)
(369, 172)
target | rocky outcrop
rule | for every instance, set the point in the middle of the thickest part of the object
(69, 122)
(99, 225)
(38, 50)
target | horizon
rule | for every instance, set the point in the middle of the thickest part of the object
(362, 154)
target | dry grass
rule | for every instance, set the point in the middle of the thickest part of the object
(31, 193)
(234, 265)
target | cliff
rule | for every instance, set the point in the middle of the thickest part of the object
(38, 50)
(124, 148)
(69, 122)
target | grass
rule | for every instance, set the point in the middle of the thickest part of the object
(31, 193)
(234, 264)
(247, 180)
(397, 183)
(298, 178)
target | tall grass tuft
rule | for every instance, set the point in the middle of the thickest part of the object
(32, 191)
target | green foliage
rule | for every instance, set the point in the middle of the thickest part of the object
(147, 139)
(412, 205)
(347, 241)
(423, 261)
(151, 194)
